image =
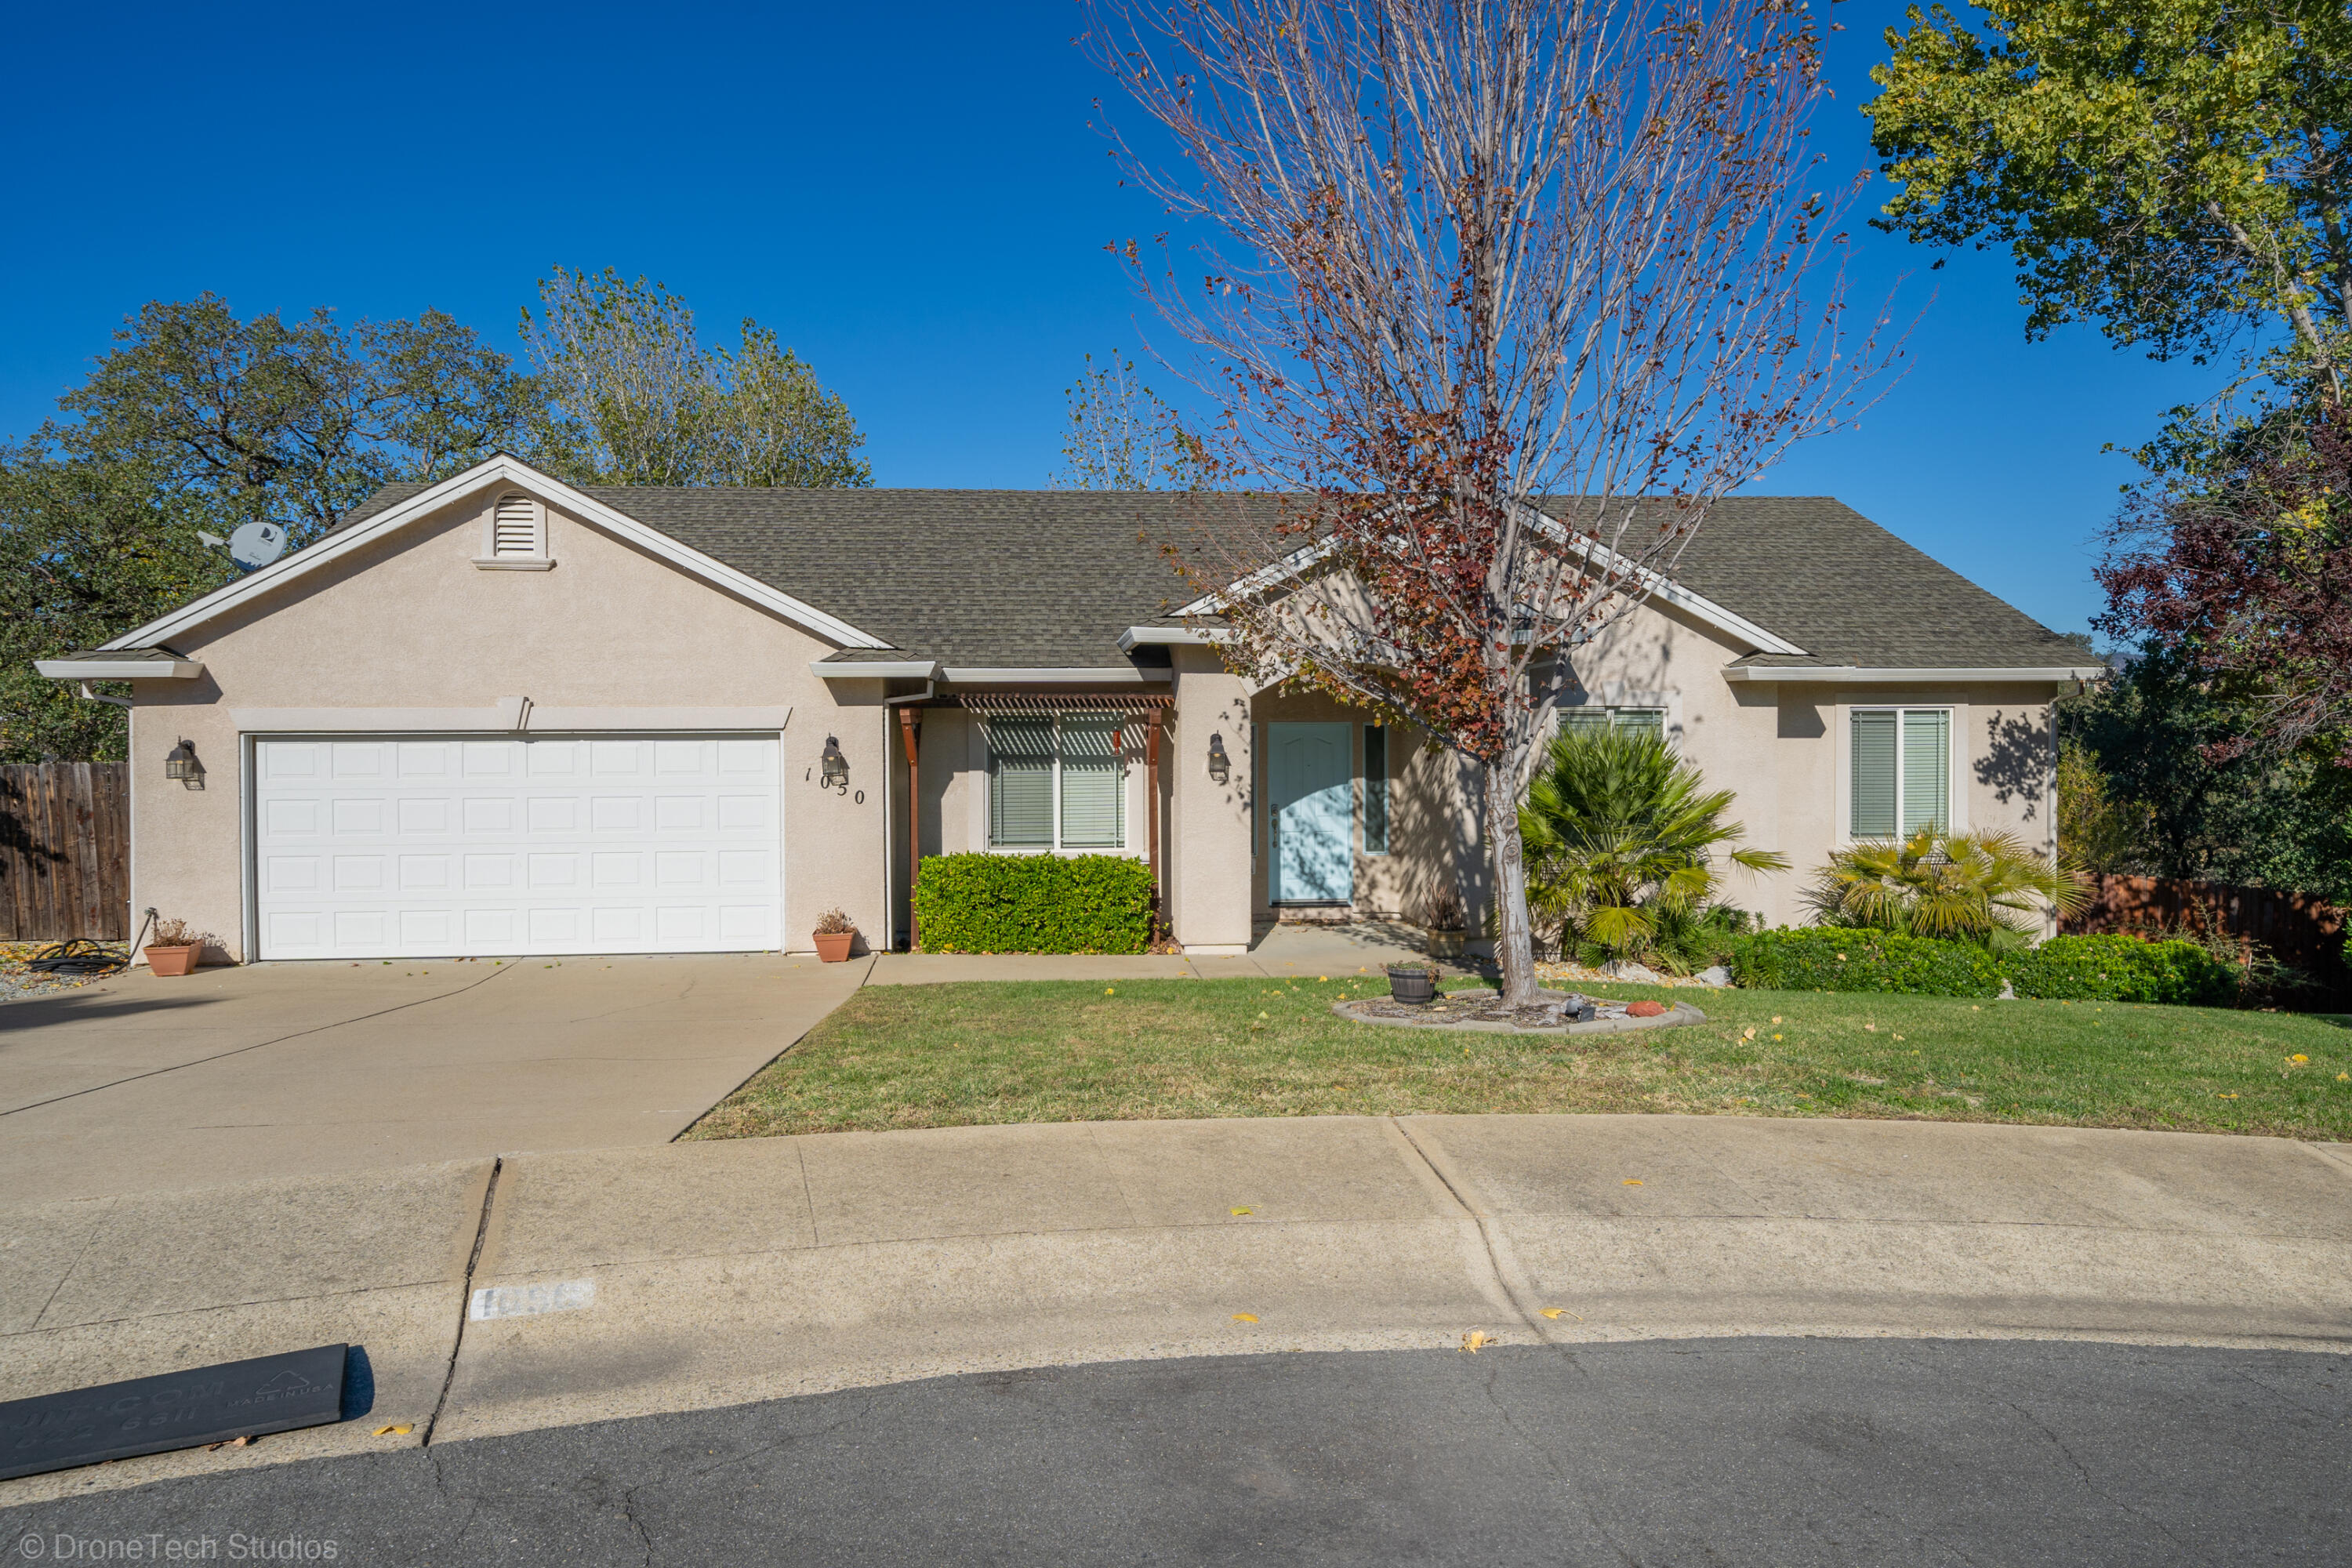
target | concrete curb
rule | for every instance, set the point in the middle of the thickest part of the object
(1675, 1017)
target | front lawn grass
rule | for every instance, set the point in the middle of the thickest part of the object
(947, 1055)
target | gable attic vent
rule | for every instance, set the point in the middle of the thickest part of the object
(514, 528)
(517, 541)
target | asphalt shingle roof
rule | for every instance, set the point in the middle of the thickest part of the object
(1051, 578)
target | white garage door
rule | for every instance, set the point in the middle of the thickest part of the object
(382, 848)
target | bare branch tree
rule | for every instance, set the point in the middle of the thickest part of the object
(1122, 435)
(1450, 260)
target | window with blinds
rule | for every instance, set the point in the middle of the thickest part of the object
(1902, 771)
(1056, 784)
(1094, 804)
(1020, 783)
(1646, 721)
(1376, 789)
(514, 529)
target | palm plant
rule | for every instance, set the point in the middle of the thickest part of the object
(1621, 837)
(1987, 887)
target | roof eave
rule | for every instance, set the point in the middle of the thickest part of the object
(1888, 674)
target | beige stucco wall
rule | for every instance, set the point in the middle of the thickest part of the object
(1209, 862)
(610, 639)
(1781, 748)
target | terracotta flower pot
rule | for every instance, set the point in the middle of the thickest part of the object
(172, 959)
(833, 946)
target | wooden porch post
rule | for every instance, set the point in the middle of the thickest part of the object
(910, 731)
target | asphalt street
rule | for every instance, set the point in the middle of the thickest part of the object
(1779, 1451)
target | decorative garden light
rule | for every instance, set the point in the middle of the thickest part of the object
(1221, 766)
(836, 767)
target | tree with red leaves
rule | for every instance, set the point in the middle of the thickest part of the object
(2245, 569)
(1497, 298)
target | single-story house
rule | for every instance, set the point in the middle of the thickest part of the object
(502, 715)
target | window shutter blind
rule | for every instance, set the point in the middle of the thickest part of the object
(1649, 722)
(1927, 770)
(1583, 720)
(1376, 789)
(514, 527)
(1094, 814)
(1873, 774)
(1020, 783)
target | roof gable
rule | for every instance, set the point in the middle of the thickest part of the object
(387, 512)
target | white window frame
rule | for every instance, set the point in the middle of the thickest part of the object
(1956, 798)
(1387, 781)
(1126, 844)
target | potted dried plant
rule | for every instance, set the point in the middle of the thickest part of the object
(1447, 923)
(1414, 983)
(175, 948)
(834, 933)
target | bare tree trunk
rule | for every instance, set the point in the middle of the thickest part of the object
(1515, 949)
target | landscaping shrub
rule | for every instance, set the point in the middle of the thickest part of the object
(2073, 968)
(1033, 903)
(2119, 968)
(1834, 957)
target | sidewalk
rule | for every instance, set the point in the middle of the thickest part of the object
(710, 1274)
(1284, 949)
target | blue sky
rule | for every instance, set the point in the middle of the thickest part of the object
(911, 196)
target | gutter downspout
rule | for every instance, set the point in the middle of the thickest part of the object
(909, 733)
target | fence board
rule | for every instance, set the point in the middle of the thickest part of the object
(65, 831)
(2304, 932)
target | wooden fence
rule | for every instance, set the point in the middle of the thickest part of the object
(2297, 930)
(65, 851)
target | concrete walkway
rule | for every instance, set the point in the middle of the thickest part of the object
(704, 1274)
(141, 1084)
(1284, 949)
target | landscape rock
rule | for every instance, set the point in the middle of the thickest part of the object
(1632, 974)
(1645, 1009)
(1714, 975)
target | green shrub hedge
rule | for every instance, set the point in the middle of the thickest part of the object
(2076, 968)
(1834, 957)
(1033, 903)
(2124, 969)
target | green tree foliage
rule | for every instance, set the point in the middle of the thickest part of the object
(199, 421)
(633, 398)
(2173, 170)
(263, 420)
(2273, 818)
(1986, 888)
(87, 550)
(1621, 838)
(1122, 435)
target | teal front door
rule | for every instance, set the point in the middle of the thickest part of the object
(1312, 821)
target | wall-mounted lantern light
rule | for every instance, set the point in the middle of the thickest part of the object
(836, 767)
(181, 763)
(1221, 766)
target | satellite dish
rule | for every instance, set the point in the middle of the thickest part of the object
(256, 544)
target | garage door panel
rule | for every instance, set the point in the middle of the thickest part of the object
(397, 847)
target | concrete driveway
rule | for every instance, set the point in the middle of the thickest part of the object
(299, 1069)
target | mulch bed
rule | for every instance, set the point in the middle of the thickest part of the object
(1551, 1010)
